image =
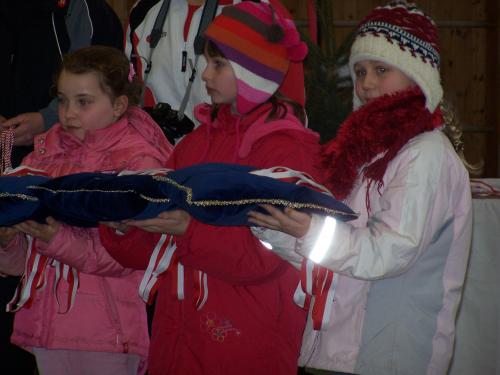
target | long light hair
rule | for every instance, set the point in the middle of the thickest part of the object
(453, 130)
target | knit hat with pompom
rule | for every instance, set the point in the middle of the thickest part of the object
(260, 44)
(401, 35)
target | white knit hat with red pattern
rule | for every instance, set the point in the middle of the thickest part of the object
(401, 35)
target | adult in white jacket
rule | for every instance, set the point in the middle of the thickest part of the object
(399, 268)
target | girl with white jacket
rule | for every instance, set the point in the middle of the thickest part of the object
(398, 269)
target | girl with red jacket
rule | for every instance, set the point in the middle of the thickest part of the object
(103, 328)
(225, 304)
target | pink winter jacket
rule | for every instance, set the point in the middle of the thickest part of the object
(107, 314)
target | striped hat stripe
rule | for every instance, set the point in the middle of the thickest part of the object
(247, 19)
(260, 11)
(251, 65)
(259, 84)
(247, 94)
(264, 56)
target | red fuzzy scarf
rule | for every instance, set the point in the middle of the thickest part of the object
(381, 126)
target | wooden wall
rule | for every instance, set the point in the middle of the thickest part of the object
(469, 31)
(470, 53)
(122, 8)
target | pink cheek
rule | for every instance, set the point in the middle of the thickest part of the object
(358, 90)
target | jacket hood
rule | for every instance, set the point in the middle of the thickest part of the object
(254, 125)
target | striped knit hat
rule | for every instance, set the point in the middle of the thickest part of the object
(259, 43)
(401, 35)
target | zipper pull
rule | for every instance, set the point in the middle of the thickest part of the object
(184, 61)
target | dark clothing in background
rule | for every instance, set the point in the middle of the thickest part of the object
(34, 34)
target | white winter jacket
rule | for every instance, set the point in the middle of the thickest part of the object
(401, 267)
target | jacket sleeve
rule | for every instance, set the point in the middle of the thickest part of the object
(233, 253)
(106, 26)
(282, 244)
(132, 249)
(13, 256)
(415, 209)
(81, 248)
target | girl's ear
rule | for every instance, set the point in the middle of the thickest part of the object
(120, 105)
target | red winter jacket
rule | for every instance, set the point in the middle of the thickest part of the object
(250, 323)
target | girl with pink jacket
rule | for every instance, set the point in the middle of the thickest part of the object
(90, 320)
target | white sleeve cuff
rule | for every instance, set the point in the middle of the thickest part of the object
(280, 243)
(320, 238)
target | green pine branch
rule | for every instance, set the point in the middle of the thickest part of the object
(329, 95)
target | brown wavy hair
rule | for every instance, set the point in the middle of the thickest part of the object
(112, 67)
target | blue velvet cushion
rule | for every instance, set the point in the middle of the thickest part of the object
(84, 199)
(17, 201)
(217, 194)
(222, 194)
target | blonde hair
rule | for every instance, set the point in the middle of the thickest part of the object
(453, 130)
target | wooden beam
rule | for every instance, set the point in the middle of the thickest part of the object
(441, 23)
(492, 100)
(495, 67)
(121, 8)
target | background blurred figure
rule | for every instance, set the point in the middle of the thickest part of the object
(34, 35)
(167, 67)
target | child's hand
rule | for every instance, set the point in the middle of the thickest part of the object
(170, 222)
(290, 221)
(120, 227)
(6, 235)
(44, 232)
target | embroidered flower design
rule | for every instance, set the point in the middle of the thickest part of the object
(218, 334)
(218, 329)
